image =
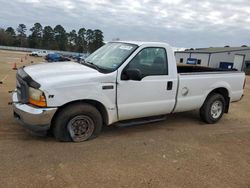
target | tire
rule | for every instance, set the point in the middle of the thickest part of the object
(213, 108)
(77, 123)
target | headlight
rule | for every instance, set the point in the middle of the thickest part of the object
(37, 97)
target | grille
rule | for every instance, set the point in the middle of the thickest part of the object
(22, 89)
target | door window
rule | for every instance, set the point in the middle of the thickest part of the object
(150, 61)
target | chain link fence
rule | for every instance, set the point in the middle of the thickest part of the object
(12, 48)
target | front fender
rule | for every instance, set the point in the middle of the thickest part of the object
(90, 91)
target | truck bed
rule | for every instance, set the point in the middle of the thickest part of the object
(195, 83)
(194, 68)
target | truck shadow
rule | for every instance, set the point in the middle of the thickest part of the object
(172, 122)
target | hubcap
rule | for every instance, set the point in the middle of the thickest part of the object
(80, 128)
(216, 109)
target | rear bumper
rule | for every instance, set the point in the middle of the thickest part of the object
(36, 120)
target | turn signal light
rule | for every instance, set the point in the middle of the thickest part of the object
(41, 102)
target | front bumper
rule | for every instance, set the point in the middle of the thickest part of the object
(36, 120)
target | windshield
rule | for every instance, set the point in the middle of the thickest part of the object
(111, 55)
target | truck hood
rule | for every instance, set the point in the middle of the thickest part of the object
(61, 73)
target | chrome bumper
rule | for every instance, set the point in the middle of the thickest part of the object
(36, 120)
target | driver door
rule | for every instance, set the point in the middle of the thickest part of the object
(154, 93)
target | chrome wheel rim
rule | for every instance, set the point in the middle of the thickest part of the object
(80, 128)
(216, 109)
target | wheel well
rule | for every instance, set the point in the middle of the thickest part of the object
(99, 106)
(224, 92)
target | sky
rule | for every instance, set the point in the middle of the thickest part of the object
(181, 23)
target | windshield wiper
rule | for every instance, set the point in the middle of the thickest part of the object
(89, 64)
(95, 66)
(92, 65)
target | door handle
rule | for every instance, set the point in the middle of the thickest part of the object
(169, 85)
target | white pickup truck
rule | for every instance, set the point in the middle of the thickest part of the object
(40, 53)
(122, 82)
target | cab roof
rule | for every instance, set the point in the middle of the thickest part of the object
(140, 43)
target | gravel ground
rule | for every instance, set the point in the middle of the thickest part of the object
(179, 152)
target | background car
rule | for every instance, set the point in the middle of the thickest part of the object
(78, 58)
(55, 57)
(40, 53)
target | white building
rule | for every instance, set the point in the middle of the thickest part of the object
(224, 57)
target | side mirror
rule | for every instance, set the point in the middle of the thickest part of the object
(132, 74)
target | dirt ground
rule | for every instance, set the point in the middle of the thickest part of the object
(179, 152)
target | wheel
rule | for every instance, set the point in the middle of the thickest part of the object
(78, 122)
(213, 108)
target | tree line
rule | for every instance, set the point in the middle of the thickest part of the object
(57, 38)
